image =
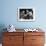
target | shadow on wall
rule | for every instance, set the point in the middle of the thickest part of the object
(2, 26)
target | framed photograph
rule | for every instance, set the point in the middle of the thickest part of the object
(26, 14)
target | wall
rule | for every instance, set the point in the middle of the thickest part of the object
(8, 13)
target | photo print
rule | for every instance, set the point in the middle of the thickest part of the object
(26, 14)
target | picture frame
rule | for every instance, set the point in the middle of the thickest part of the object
(26, 14)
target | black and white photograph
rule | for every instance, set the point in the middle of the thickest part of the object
(26, 14)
